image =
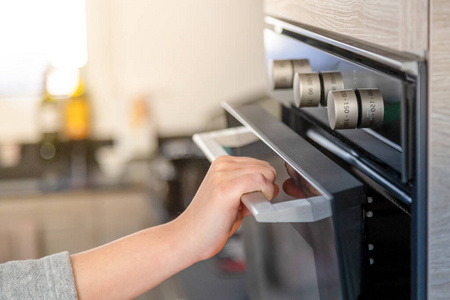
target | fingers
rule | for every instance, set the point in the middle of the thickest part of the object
(216, 210)
(277, 190)
(231, 177)
(237, 223)
(253, 183)
(244, 210)
(244, 175)
(245, 165)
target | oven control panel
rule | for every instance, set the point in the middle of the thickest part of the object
(347, 108)
(367, 108)
(364, 108)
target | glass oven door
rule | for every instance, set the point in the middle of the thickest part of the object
(308, 242)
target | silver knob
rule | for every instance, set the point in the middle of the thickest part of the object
(307, 89)
(282, 72)
(372, 108)
(330, 81)
(301, 66)
(342, 109)
(360, 108)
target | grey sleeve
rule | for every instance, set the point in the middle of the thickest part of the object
(50, 277)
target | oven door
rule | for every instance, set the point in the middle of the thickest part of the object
(308, 242)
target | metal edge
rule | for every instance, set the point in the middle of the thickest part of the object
(383, 139)
(419, 226)
(404, 62)
(199, 140)
(348, 156)
(245, 122)
(343, 274)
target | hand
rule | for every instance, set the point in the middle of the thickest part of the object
(216, 211)
(130, 266)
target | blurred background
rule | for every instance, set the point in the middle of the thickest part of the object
(98, 103)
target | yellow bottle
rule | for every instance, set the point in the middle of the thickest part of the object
(76, 116)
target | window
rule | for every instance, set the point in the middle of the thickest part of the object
(34, 34)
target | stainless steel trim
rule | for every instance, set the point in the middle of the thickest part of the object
(349, 156)
(383, 139)
(285, 157)
(212, 143)
(295, 211)
(400, 61)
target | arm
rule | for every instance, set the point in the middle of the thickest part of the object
(130, 266)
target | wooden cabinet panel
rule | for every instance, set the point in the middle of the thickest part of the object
(35, 226)
(398, 24)
(67, 223)
(439, 162)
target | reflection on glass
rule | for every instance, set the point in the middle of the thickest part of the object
(297, 186)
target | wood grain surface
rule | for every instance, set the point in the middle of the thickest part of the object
(398, 24)
(439, 184)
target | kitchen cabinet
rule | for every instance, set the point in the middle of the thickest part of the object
(439, 151)
(35, 226)
(398, 24)
(421, 27)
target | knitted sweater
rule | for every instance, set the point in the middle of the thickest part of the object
(50, 277)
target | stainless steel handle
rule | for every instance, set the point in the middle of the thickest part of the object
(295, 211)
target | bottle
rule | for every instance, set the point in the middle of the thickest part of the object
(77, 130)
(76, 115)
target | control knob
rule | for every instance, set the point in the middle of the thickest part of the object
(310, 89)
(330, 81)
(307, 89)
(360, 108)
(281, 72)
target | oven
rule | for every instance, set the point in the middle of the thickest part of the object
(344, 124)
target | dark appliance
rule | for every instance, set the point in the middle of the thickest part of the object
(344, 124)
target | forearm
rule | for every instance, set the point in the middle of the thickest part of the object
(130, 266)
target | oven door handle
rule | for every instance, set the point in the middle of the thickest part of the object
(295, 211)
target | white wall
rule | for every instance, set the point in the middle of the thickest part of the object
(187, 56)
